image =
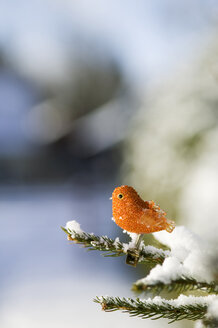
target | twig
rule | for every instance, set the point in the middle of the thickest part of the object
(148, 309)
(178, 285)
(114, 248)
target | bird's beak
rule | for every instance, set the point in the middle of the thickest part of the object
(110, 198)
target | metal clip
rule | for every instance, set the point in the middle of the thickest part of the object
(132, 257)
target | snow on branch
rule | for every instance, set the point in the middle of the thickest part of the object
(190, 257)
(187, 266)
(184, 307)
(112, 247)
(179, 285)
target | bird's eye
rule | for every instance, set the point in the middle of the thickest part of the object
(120, 196)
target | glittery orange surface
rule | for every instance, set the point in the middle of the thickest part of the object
(133, 214)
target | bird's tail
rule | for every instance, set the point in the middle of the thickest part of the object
(170, 225)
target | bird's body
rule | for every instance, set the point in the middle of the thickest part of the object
(133, 214)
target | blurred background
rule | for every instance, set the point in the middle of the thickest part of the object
(94, 95)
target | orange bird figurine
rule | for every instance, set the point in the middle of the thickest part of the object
(133, 214)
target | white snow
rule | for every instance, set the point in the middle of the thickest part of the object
(189, 256)
(191, 300)
(147, 249)
(155, 251)
(182, 300)
(113, 219)
(116, 242)
(73, 226)
(199, 324)
(170, 270)
(188, 300)
(132, 243)
(213, 309)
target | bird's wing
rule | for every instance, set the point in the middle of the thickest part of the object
(150, 204)
(152, 218)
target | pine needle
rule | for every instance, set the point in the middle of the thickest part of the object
(147, 309)
(179, 285)
(113, 248)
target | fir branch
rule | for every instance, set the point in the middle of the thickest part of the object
(147, 309)
(210, 322)
(114, 248)
(179, 285)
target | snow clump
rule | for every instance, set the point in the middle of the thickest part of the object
(189, 256)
